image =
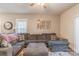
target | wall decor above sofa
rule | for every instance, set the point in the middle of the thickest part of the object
(44, 24)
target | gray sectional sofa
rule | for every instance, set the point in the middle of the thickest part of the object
(50, 39)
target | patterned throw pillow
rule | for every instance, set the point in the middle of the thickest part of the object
(9, 37)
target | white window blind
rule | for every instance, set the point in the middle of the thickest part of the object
(21, 26)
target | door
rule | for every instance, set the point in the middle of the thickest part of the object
(77, 34)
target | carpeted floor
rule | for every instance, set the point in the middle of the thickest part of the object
(53, 53)
(70, 53)
(59, 54)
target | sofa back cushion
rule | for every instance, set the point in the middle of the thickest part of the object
(41, 37)
(32, 37)
(44, 36)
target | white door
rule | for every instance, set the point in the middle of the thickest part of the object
(77, 34)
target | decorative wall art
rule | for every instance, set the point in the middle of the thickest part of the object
(44, 24)
(8, 25)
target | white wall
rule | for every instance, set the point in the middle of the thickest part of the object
(32, 21)
(67, 24)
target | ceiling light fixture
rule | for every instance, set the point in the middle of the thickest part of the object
(38, 4)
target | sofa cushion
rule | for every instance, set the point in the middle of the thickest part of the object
(32, 37)
(41, 37)
(58, 45)
(21, 37)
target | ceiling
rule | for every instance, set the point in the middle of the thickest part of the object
(25, 8)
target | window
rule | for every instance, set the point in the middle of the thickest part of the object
(21, 26)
